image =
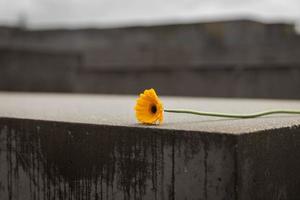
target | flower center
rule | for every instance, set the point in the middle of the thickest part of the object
(153, 109)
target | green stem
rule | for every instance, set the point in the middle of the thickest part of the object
(216, 114)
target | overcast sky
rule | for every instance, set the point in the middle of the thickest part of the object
(100, 13)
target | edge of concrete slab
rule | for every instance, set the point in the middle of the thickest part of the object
(152, 127)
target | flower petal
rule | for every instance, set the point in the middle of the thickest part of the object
(143, 111)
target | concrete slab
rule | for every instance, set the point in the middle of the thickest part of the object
(119, 111)
(90, 147)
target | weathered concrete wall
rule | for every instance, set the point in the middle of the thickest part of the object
(268, 165)
(51, 160)
(46, 160)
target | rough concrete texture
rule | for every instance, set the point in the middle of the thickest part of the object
(90, 147)
(42, 160)
(268, 164)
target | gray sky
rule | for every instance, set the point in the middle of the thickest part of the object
(100, 13)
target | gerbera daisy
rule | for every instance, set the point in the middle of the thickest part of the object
(148, 108)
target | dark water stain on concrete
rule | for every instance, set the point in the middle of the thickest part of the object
(46, 160)
(205, 146)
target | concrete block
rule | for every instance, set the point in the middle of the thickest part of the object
(239, 58)
(90, 147)
(32, 70)
(73, 161)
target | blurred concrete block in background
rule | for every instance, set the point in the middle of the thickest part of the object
(240, 58)
(33, 70)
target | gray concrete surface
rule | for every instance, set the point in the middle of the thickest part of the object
(90, 147)
(119, 111)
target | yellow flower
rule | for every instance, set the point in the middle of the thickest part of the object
(148, 108)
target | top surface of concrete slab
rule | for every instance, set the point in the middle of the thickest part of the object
(119, 111)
